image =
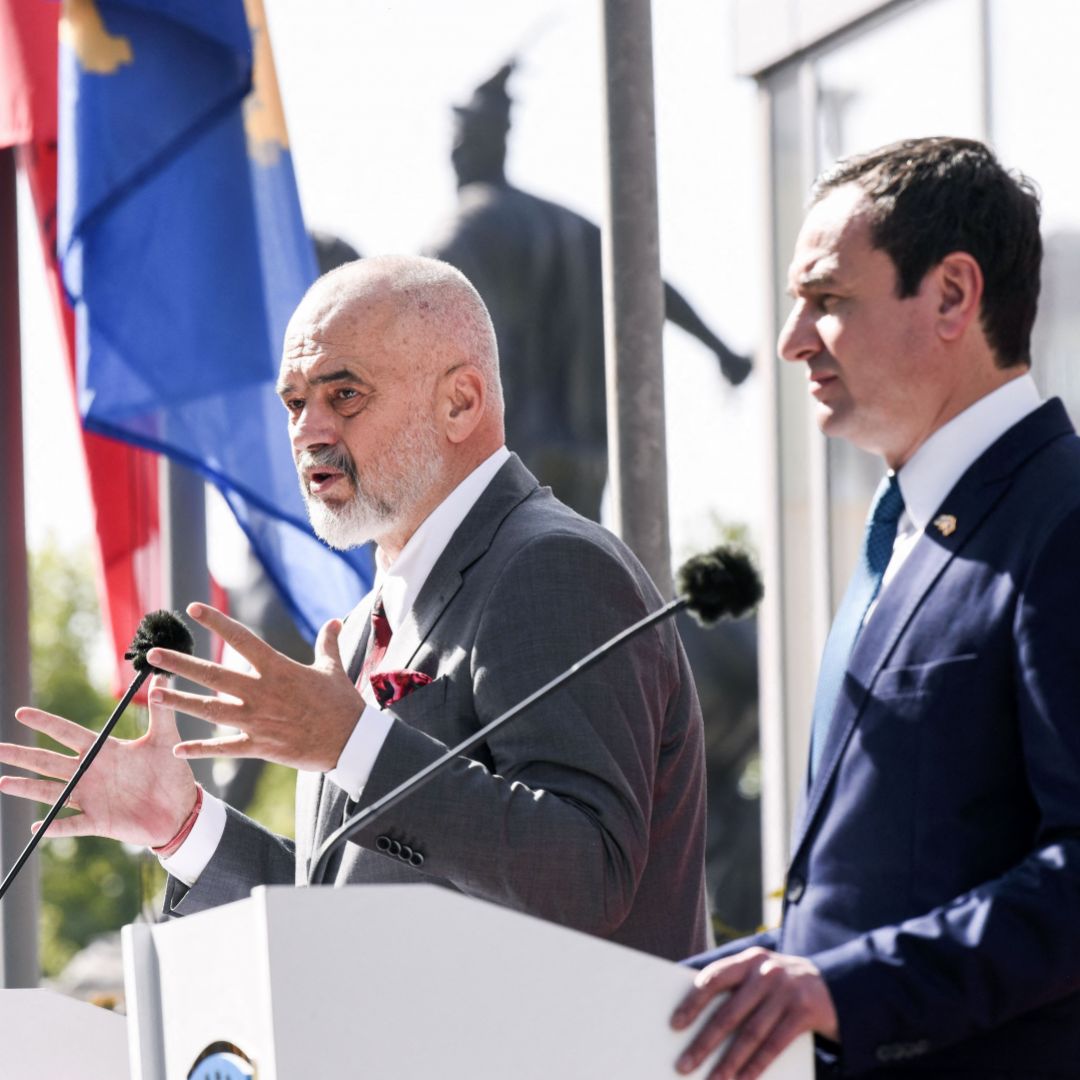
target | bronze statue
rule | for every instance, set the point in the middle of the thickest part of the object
(331, 250)
(537, 266)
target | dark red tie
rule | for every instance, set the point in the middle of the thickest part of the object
(389, 687)
(380, 641)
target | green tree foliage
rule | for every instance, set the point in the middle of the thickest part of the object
(274, 803)
(88, 885)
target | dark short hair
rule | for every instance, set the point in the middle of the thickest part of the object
(930, 197)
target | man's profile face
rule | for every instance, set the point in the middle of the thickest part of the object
(869, 355)
(365, 446)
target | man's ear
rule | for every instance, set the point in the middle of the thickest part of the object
(463, 400)
(959, 281)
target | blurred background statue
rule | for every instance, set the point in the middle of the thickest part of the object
(537, 266)
(331, 251)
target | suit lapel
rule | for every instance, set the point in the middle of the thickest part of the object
(897, 605)
(354, 636)
(511, 485)
(315, 799)
(969, 503)
(309, 787)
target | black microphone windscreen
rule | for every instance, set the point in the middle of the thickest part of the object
(721, 582)
(159, 630)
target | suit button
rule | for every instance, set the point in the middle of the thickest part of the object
(795, 889)
(902, 1051)
(406, 853)
(416, 859)
(382, 843)
(395, 848)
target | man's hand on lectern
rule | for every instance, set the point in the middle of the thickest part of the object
(769, 1000)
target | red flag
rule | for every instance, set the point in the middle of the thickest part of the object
(123, 480)
(27, 71)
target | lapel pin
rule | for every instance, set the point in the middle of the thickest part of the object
(945, 524)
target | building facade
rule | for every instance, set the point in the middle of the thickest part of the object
(835, 77)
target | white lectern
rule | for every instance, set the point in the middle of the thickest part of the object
(396, 982)
(47, 1035)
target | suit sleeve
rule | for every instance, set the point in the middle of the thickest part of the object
(763, 939)
(1011, 944)
(248, 855)
(558, 826)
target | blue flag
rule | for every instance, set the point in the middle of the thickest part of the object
(184, 254)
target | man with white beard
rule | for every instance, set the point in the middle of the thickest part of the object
(588, 810)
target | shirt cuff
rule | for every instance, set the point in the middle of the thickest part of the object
(189, 860)
(359, 753)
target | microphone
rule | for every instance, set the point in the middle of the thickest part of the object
(158, 629)
(722, 582)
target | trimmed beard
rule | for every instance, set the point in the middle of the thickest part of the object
(413, 454)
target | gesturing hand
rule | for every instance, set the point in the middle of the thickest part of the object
(771, 999)
(295, 714)
(135, 791)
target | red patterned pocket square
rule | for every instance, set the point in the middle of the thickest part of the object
(390, 687)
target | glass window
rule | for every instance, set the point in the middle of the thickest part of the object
(1033, 48)
(799, 573)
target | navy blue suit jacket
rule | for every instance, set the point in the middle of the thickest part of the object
(935, 876)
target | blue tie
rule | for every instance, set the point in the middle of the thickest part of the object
(865, 584)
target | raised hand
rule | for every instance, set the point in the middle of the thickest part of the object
(734, 367)
(295, 714)
(135, 791)
(768, 1000)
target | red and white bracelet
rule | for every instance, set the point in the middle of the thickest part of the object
(173, 845)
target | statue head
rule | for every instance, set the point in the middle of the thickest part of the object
(480, 129)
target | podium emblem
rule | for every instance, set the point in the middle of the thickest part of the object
(222, 1061)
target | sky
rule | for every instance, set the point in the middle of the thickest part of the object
(367, 87)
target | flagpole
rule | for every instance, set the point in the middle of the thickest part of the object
(634, 293)
(182, 518)
(18, 912)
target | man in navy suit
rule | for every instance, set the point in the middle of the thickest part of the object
(931, 921)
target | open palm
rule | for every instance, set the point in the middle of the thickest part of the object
(135, 790)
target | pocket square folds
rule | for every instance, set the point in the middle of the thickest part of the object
(390, 687)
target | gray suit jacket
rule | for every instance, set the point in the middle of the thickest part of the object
(588, 810)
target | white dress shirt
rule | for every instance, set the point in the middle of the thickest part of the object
(939, 463)
(399, 584)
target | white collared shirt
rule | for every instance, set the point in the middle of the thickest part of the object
(399, 584)
(939, 463)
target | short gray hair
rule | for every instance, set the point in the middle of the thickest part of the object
(435, 294)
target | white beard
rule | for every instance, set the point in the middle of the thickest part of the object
(414, 456)
(347, 526)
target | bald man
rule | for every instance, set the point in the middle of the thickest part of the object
(588, 810)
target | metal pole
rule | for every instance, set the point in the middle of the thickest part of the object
(18, 912)
(633, 293)
(774, 662)
(986, 69)
(183, 553)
